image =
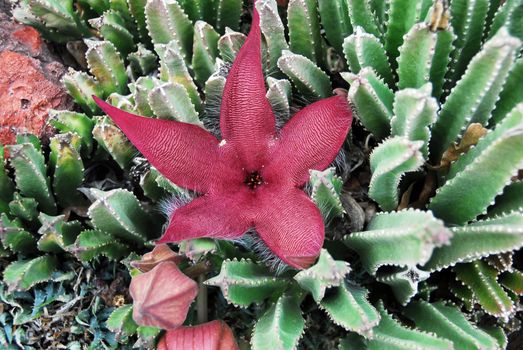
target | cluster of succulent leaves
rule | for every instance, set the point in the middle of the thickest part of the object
(438, 148)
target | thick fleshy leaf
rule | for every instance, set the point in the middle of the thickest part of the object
(244, 282)
(280, 327)
(348, 307)
(215, 335)
(311, 140)
(224, 216)
(291, 226)
(326, 273)
(186, 154)
(162, 296)
(246, 118)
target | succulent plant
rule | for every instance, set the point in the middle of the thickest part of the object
(436, 146)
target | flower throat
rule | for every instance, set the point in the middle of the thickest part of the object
(253, 180)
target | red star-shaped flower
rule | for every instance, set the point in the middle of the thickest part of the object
(253, 177)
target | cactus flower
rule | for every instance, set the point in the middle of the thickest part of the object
(162, 296)
(214, 335)
(253, 177)
(159, 254)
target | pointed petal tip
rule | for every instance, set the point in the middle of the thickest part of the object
(301, 262)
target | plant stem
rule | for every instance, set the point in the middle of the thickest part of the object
(201, 300)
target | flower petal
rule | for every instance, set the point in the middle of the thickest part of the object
(291, 225)
(159, 254)
(162, 296)
(185, 153)
(216, 216)
(214, 335)
(310, 140)
(246, 117)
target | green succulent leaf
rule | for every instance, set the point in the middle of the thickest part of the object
(7, 186)
(371, 100)
(280, 327)
(449, 323)
(150, 186)
(107, 66)
(326, 273)
(230, 44)
(365, 50)
(123, 102)
(498, 150)
(404, 238)
(23, 208)
(113, 140)
(167, 22)
(228, 14)
(464, 294)
(119, 213)
(469, 33)
(137, 12)
(73, 122)
(142, 61)
(336, 22)
(475, 95)
(511, 94)
(121, 321)
(111, 25)
(402, 15)
(173, 69)
(56, 234)
(310, 80)
(415, 56)
(477, 240)
(58, 15)
(508, 15)
(348, 307)
(15, 237)
(31, 175)
(403, 281)
(512, 280)
(244, 282)
(390, 334)
(273, 32)
(361, 14)
(68, 172)
(304, 30)
(481, 278)
(497, 333)
(213, 97)
(326, 189)
(440, 60)
(171, 101)
(24, 274)
(91, 244)
(205, 51)
(279, 95)
(389, 162)
(209, 9)
(414, 112)
(81, 86)
(140, 91)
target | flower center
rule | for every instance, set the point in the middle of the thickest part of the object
(253, 180)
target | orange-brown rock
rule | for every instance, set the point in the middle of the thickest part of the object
(29, 81)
